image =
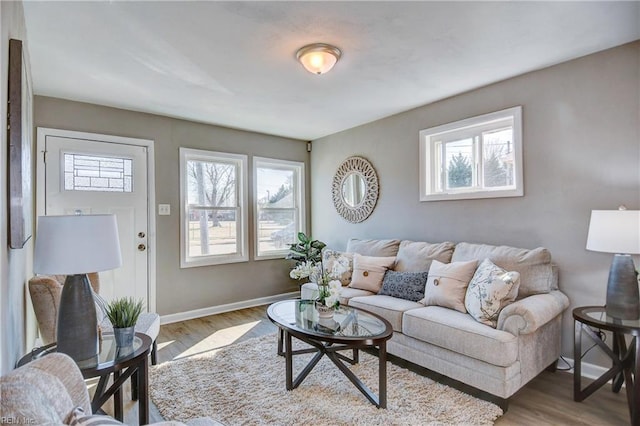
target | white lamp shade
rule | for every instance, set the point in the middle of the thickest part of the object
(614, 231)
(67, 245)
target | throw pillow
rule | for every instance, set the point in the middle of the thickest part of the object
(368, 271)
(491, 289)
(78, 418)
(333, 260)
(447, 284)
(416, 256)
(404, 285)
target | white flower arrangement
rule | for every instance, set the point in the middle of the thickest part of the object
(328, 283)
(304, 270)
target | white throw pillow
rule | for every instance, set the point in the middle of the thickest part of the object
(490, 290)
(336, 260)
(368, 271)
(447, 284)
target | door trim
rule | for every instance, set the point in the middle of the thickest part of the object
(42, 134)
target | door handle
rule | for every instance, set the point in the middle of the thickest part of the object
(142, 247)
(141, 234)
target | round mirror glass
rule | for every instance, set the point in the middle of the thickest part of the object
(353, 189)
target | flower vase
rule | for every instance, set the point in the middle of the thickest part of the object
(323, 310)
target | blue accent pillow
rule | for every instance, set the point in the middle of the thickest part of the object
(404, 285)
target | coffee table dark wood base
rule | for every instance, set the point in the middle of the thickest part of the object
(332, 350)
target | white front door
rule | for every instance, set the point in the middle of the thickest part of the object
(86, 175)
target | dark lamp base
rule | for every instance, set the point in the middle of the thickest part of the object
(623, 300)
(77, 332)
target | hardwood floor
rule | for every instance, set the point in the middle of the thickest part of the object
(547, 400)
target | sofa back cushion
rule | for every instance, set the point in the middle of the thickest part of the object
(534, 266)
(416, 256)
(377, 248)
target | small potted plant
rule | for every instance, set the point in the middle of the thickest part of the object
(123, 314)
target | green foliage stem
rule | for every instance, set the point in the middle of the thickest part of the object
(124, 312)
(306, 249)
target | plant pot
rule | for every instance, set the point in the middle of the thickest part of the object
(124, 336)
(323, 310)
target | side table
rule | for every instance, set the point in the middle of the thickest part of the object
(122, 363)
(625, 359)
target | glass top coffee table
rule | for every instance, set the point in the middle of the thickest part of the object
(349, 329)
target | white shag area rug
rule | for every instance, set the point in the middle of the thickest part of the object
(244, 384)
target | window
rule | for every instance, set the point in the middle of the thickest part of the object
(479, 157)
(213, 214)
(93, 173)
(279, 205)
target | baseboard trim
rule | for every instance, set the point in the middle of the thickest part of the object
(589, 371)
(212, 310)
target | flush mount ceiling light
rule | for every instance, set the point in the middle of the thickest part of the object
(318, 58)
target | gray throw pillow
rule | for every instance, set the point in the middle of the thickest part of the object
(404, 285)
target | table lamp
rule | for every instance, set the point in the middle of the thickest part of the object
(618, 232)
(74, 246)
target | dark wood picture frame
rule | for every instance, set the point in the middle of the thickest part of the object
(19, 143)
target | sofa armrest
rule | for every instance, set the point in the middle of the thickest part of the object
(527, 315)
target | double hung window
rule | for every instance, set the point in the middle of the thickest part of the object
(279, 205)
(213, 214)
(479, 157)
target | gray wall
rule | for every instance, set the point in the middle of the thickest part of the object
(581, 152)
(15, 265)
(180, 290)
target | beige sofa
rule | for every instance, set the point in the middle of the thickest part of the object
(498, 360)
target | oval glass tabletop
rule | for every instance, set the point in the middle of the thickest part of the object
(347, 322)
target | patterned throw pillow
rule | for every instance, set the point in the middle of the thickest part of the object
(404, 285)
(447, 284)
(490, 290)
(333, 258)
(368, 271)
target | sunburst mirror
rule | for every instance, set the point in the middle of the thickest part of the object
(355, 189)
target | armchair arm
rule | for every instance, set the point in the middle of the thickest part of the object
(527, 315)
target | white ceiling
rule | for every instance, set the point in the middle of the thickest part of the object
(233, 63)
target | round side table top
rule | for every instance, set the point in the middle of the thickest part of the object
(596, 316)
(110, 356)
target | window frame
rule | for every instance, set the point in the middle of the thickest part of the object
(430, 164)
(299, 199)
(241, 163)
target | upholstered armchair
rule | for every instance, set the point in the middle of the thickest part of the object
(51, 391)
(45, 294)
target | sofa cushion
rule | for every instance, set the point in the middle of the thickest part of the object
(380, 248)
(417, 256)
(534, 266)
(404, 285)
(491, 289)
(447, 284)
(461, 333)
(389, 308)
(368, 271)
(334, 261)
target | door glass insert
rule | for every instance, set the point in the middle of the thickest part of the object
(93, 173)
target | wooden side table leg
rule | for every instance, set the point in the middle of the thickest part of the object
(117, 399)
(577, 357)
(134, 385)
(635, 406)
(143, 390)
